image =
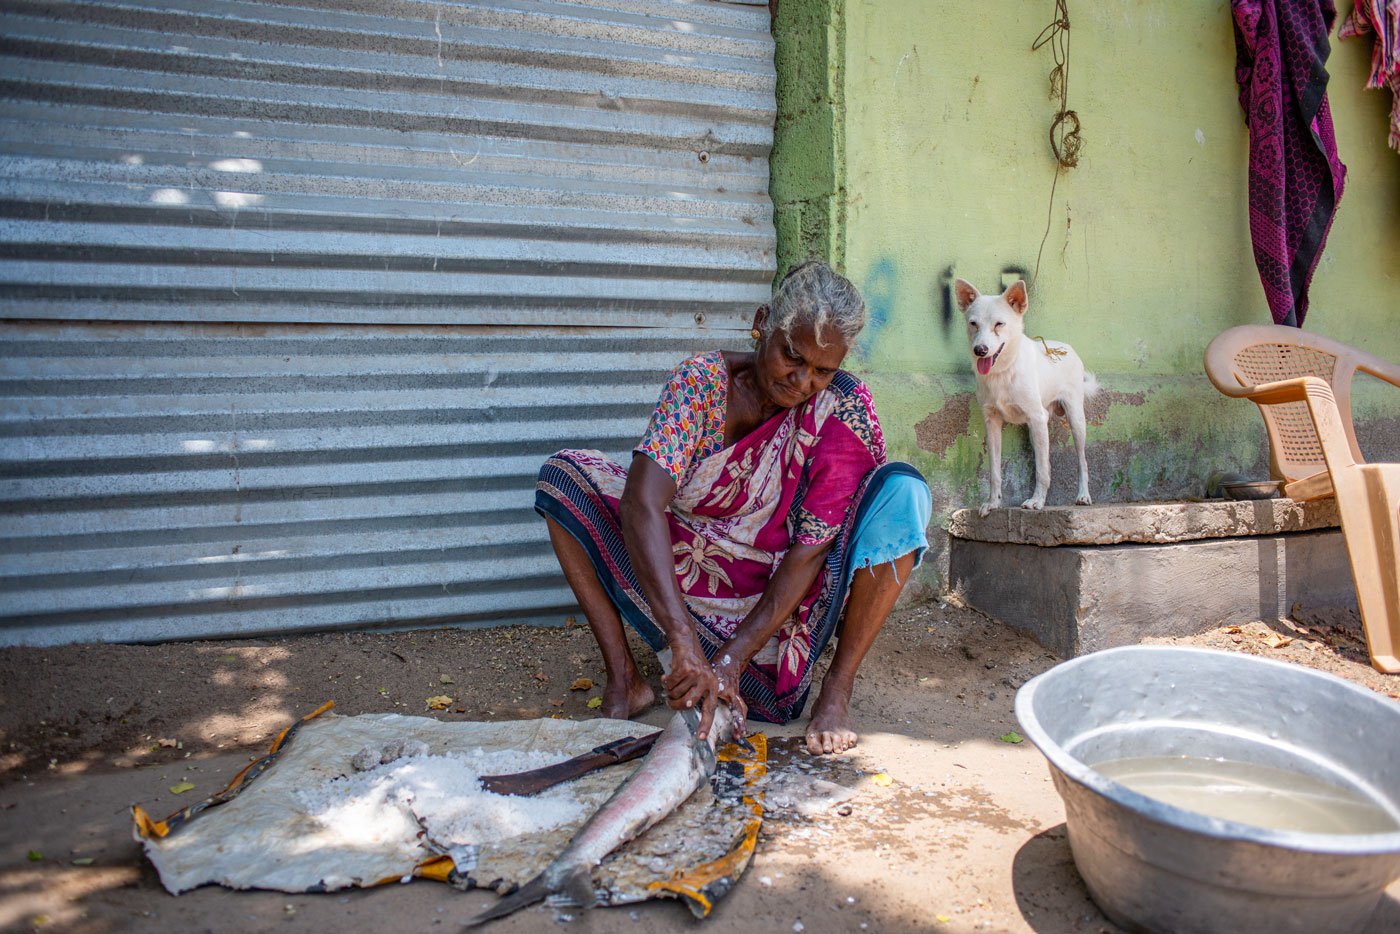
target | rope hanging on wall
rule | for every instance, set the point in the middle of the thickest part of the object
(1064, 128)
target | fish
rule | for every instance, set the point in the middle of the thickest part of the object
(675, 767)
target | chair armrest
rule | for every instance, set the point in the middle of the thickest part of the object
(1296, 389)
(1381, 369)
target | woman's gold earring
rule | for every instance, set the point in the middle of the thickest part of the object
(754, 334)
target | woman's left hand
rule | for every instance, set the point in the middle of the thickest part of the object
(728, 670)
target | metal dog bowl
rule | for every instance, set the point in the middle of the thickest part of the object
(1158, 867)
(1250, 489)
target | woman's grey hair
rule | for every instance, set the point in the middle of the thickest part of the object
(813, 291)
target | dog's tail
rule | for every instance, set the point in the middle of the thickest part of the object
(1091, 384)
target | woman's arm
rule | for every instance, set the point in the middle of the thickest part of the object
(849, 446)
(649, 490)
(785, 590)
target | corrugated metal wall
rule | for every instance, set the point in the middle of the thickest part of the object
(296, 298)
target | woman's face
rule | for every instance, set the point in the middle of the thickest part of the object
(792, 367)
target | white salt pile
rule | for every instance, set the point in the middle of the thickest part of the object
(444, 793)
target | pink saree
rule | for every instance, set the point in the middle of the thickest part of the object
(798, 477)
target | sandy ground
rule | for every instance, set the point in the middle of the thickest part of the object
(969, 835)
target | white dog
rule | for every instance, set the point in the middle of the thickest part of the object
(1022, 380)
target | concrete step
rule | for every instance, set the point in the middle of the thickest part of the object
(1083, 578)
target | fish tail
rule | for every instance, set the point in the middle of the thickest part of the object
(578, 885)
(536, 890)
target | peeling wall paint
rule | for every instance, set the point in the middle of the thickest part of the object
(1143, 253)
(940, 430)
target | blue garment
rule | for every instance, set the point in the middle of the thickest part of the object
(893, 523)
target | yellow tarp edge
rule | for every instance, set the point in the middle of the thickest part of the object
(145, 827)
(692, 885)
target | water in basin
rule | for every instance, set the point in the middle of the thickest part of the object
(1259, 795)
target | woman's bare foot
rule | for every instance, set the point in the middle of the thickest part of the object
(624, 698)
(830, 728)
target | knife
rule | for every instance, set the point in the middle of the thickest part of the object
(536, 780)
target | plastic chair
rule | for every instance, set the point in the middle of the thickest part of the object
(1242, 358)
(1304, 413)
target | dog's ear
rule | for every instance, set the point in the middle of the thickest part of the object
(965, 294)
(1016, 296)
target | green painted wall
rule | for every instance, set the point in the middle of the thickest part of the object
(942, 154)
(808, 171)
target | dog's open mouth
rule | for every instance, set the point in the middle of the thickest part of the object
(985, 364)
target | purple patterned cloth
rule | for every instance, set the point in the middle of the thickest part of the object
(1295, 177)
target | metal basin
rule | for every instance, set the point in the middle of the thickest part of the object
(1157, 867)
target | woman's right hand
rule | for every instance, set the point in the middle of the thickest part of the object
(692, 682)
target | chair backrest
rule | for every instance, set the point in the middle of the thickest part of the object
(1252, 354)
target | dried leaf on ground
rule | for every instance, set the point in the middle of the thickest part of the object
(167, 743)
(595, 702)
(582, 684)
(555, 702)
(438, 702)
(1234, 629)
(541, 677)
(1275, 641)
(882, 779)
